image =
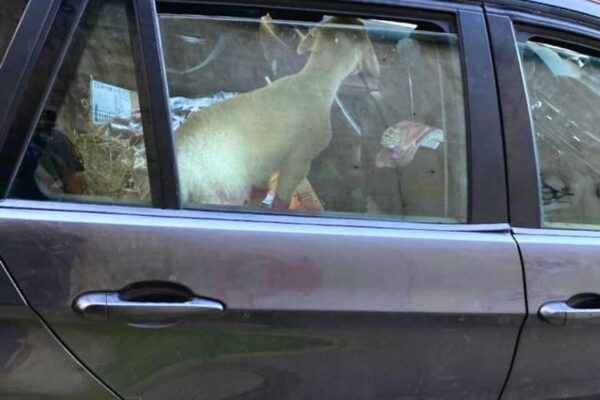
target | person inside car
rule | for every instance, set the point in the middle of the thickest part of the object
(51, 165)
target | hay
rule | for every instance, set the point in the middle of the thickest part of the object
(115, 167)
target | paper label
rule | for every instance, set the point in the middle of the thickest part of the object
(433, 139)
(108, 101)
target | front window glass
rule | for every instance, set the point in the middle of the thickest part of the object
(564, 95)
(88, 145)
(341, 116)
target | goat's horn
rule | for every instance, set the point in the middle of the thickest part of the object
(269, 28)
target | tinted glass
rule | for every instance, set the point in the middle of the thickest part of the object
(88, 145)
(340, 117)
(564, 95)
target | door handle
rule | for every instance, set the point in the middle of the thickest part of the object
(113, 307)
(582, 308)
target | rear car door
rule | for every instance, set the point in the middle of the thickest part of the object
(389, 272)
(548, 79)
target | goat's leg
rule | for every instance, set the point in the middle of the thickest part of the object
(294, 170)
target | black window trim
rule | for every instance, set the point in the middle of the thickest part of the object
(16, 70)
(506, 26)
(154, 105)
(405, 9)
(487, 180)
(487, 184)
(549, 17)
(521, 170)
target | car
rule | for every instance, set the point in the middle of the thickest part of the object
(299, 200)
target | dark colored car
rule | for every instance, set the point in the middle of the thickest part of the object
(299, 199)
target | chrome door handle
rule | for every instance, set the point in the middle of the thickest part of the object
(561, 313)
(109, 306)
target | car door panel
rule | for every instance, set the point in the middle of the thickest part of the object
(312, 311)
(554, 361)
(33, 363)
(336, 308)
(556, 358)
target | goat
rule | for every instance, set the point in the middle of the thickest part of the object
(228, 149)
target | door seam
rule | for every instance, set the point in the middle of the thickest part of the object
(508, 206)
(523, 322)
(55, 336)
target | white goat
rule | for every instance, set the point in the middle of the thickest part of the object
(236, 145)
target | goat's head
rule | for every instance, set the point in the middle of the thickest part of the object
(342, 36)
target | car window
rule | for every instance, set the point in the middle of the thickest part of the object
(563, 87)
(334, 116)
(10, 14)
(88, 145)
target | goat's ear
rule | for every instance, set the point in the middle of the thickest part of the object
(369, 63)
(308, 42)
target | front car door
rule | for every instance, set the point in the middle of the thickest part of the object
(548, 78)
(30, 352)
(391, 273)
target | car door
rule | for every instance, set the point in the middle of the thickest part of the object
(29, 350)
(546, 70)
(30, 353)
(390, 270)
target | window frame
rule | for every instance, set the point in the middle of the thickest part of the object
(154, 100)
(485, 160)
(507, 27)
(16, 70)
(487, 195)
(53, 43)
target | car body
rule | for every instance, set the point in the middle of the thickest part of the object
(466, 271)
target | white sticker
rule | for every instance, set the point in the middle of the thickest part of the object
(433, 139)
(108, 101)
(268, 200)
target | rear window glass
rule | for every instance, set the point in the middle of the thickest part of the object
(342, 116)
(564, 95)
